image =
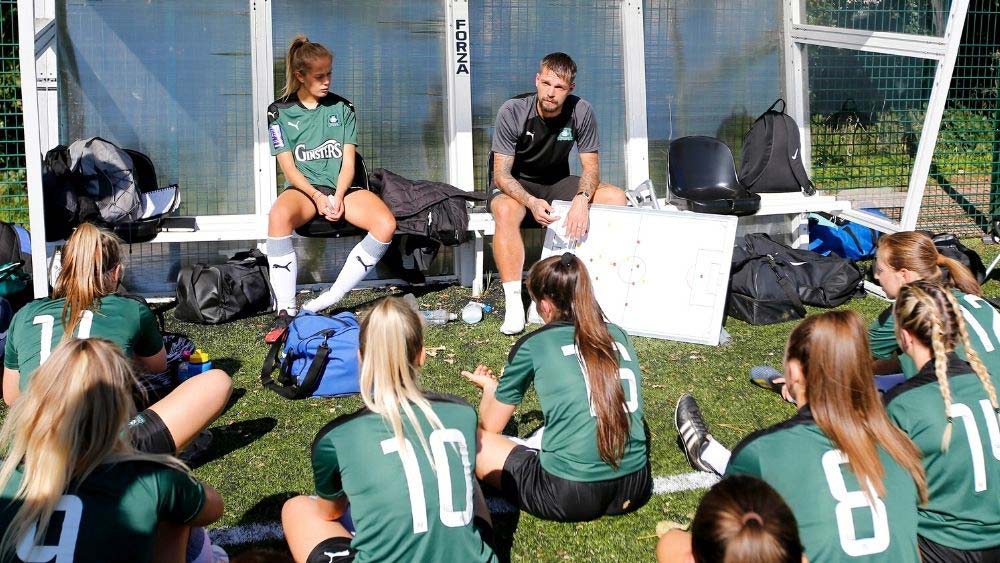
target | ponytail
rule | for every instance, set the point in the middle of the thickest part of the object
(301, 53)
(923, 309)
(90, 258)
(916, 252)
(564, 282)
(391, 339)
(742, 519)
(959, 275)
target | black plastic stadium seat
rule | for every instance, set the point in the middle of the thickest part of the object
(702, 175)
(320, 227)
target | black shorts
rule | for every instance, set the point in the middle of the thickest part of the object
(526, 484)
(565, 189)
(332, 550)
(339, 550)
(327, 190)
(150, 435)
(931, 552)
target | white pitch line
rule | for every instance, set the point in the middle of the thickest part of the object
(263, 531)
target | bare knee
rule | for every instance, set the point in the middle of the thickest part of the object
(295, 507)
(280, 220)
(507, 212)
(610, 195)
(216, 384)
(384, 227)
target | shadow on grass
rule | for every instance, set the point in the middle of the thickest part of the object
(234, 398)
(229, 365)
(231, 437)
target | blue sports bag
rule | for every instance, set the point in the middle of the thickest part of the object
(317, 357)
(843, 238)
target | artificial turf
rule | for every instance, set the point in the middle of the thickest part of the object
(260, 454)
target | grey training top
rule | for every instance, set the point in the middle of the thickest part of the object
(541, 147)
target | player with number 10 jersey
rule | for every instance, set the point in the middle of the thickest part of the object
(405, 463)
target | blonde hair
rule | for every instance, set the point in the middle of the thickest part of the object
(933, 316)
(69, 421)
(916, 252)
(301, 54)
(833, 350)
(392, 338)
(89, 261)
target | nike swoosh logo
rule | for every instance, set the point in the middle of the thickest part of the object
(795, 155)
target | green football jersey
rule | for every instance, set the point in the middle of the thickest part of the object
(836, 520)
(404, 507)
(315, 137)
(111, 516)
(548, 358)
(37, 329)
(963, 483)
(982, 321)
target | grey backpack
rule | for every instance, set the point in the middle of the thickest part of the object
(107, 177)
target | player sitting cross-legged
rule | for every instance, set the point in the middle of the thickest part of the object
(851, 477)
(949, 408)
(73, 486)
(404, 464)
(84, 305)
(593, 459)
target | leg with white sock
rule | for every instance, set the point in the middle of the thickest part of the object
(284, 269)
(292, 209)
(508, 252)
(367, 211)
(360, 261)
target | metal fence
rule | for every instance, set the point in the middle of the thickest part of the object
(866, 114)
(13, 188)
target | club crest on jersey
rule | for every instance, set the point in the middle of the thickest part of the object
(329, 149)
(334, 121)
(276, 141)
(565, 135)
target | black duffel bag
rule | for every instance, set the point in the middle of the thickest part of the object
(822, 281)
(948, 245)
(760, 293)
(225, 292)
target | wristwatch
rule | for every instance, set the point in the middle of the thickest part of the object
(584, 193)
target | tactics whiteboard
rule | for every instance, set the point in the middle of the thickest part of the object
(657, 273)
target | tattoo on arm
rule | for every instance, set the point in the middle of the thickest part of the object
(502, 177)
(590, 178)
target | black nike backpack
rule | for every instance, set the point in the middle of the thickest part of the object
(772, 155)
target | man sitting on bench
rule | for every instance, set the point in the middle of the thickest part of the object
(532, 139)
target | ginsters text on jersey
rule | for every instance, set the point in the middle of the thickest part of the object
(329, 149)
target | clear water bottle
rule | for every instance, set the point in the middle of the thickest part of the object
(473, 312)
(437, 316)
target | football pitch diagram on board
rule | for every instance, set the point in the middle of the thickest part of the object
(656, 273)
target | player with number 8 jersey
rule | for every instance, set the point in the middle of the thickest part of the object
(950, 410)
(851, 478)
(405, 463)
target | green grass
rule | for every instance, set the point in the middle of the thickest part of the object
(262, 441)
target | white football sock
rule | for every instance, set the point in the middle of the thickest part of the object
(716, 456)
(284, 269)
(513, 318)
(360, 261)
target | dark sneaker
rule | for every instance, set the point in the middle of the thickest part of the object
(692, 432)
(764, 376)
(278, 327)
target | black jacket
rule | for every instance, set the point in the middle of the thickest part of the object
(421, 207)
